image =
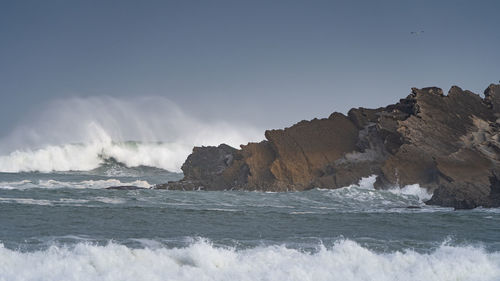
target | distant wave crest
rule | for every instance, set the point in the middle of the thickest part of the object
(86, 157)
(78, 134)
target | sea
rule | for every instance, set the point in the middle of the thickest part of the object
(58, 221)
(67, 226)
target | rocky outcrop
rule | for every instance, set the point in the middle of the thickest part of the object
(212, 168)
(446, 143)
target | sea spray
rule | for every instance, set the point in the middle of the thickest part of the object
(88, 156)
(365, 190)
(78, 133)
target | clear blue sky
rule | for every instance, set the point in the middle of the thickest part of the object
(271, 63)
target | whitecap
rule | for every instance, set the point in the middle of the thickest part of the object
(27, 201)
(109, 200)
(78, 134)
(53, 184)
(345, 260)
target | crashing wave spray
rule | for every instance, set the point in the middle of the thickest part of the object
(80, 133)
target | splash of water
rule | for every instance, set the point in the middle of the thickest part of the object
(79, 133)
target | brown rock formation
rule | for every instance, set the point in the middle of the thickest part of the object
(446, 143)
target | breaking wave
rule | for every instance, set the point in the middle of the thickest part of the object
(345, 260)
(86, 157)
(365, 191)
(79, 134)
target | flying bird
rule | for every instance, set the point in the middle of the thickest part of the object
(416, 32)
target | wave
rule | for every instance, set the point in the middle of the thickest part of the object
(53, 184)
(414, 190)
(64, 201)
(345, 260)
(78, 134)
(362, 197)
(365, 191)
(86, 157)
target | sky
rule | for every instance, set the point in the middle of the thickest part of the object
(266, 63)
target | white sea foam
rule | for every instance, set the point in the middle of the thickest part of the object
(414, 190)
(96, 184)
(85, 157)
(61, 201)
(77, 134)
(367, 183)
(26, 201)
(345, 261)
(110, 200)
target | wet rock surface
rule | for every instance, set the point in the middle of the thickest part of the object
(448, 144)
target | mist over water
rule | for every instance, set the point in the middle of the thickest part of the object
(78, 133)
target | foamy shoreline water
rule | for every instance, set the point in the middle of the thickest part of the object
(67, 226)
(345, 260)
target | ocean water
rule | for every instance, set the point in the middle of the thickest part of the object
(67, 226)
(59, 223)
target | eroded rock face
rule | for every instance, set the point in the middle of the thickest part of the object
(304, 151)
(446, 143)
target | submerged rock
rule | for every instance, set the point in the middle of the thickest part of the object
(448, 144)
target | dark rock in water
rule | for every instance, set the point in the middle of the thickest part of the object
(448, 144)
(125, 187)
(211, 168)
